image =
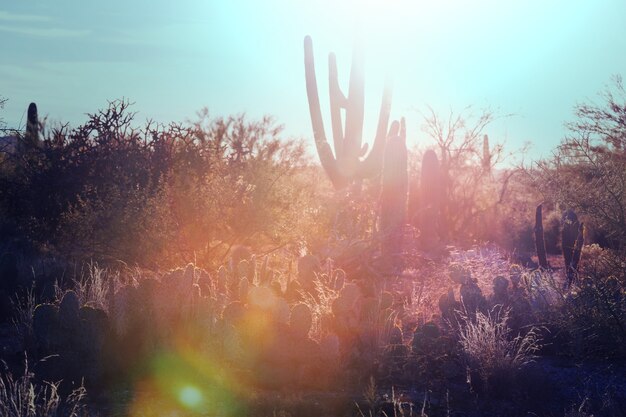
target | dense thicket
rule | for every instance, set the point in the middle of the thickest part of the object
(157, 195)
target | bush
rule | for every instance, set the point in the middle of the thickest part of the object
(588, 172)
(159, 195)
(592, 318)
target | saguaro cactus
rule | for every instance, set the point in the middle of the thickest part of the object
(393, 197)
(32, 125)
(431, 190)
(31, 137)
(540, 242)
(346, 164)
(486, 159)
(571, 243)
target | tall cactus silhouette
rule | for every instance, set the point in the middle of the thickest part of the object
(31, 137)
(393, 197)
(431, 189)
(348, 163)
(540, 242)
(486, 159)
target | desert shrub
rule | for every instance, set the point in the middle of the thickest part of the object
(592, 317)
(159, 195)
(588, 170)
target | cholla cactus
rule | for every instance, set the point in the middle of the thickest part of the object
(345, 166)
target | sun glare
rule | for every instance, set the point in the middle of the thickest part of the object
(190, 396)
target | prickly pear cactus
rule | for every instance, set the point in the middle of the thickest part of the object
(68, 310)
(308, 267)
(301, 320)
(45, 327)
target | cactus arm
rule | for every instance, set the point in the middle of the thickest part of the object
(324, 152)
(354, 113)
(372, 164)
(337, 101)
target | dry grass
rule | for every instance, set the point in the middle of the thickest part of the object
(489, 346)
(24, 397)
(92, 286)
(24, 308)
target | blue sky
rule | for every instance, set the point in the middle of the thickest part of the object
(534, 59)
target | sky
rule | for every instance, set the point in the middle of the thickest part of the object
(533, 60)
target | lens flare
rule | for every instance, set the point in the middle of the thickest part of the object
(190, 397)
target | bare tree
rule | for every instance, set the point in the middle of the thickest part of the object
(470, 185)
(587, 172)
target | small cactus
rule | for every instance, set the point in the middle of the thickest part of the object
(69, 309)
(243, 289)
(540, 243)
(500, 290)
(45, 326)
(301, 320)
(308, 267)
(459, 274)
(472, 297)
(424, 338)
(572, 236)
(238, 254)
(448, 305)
